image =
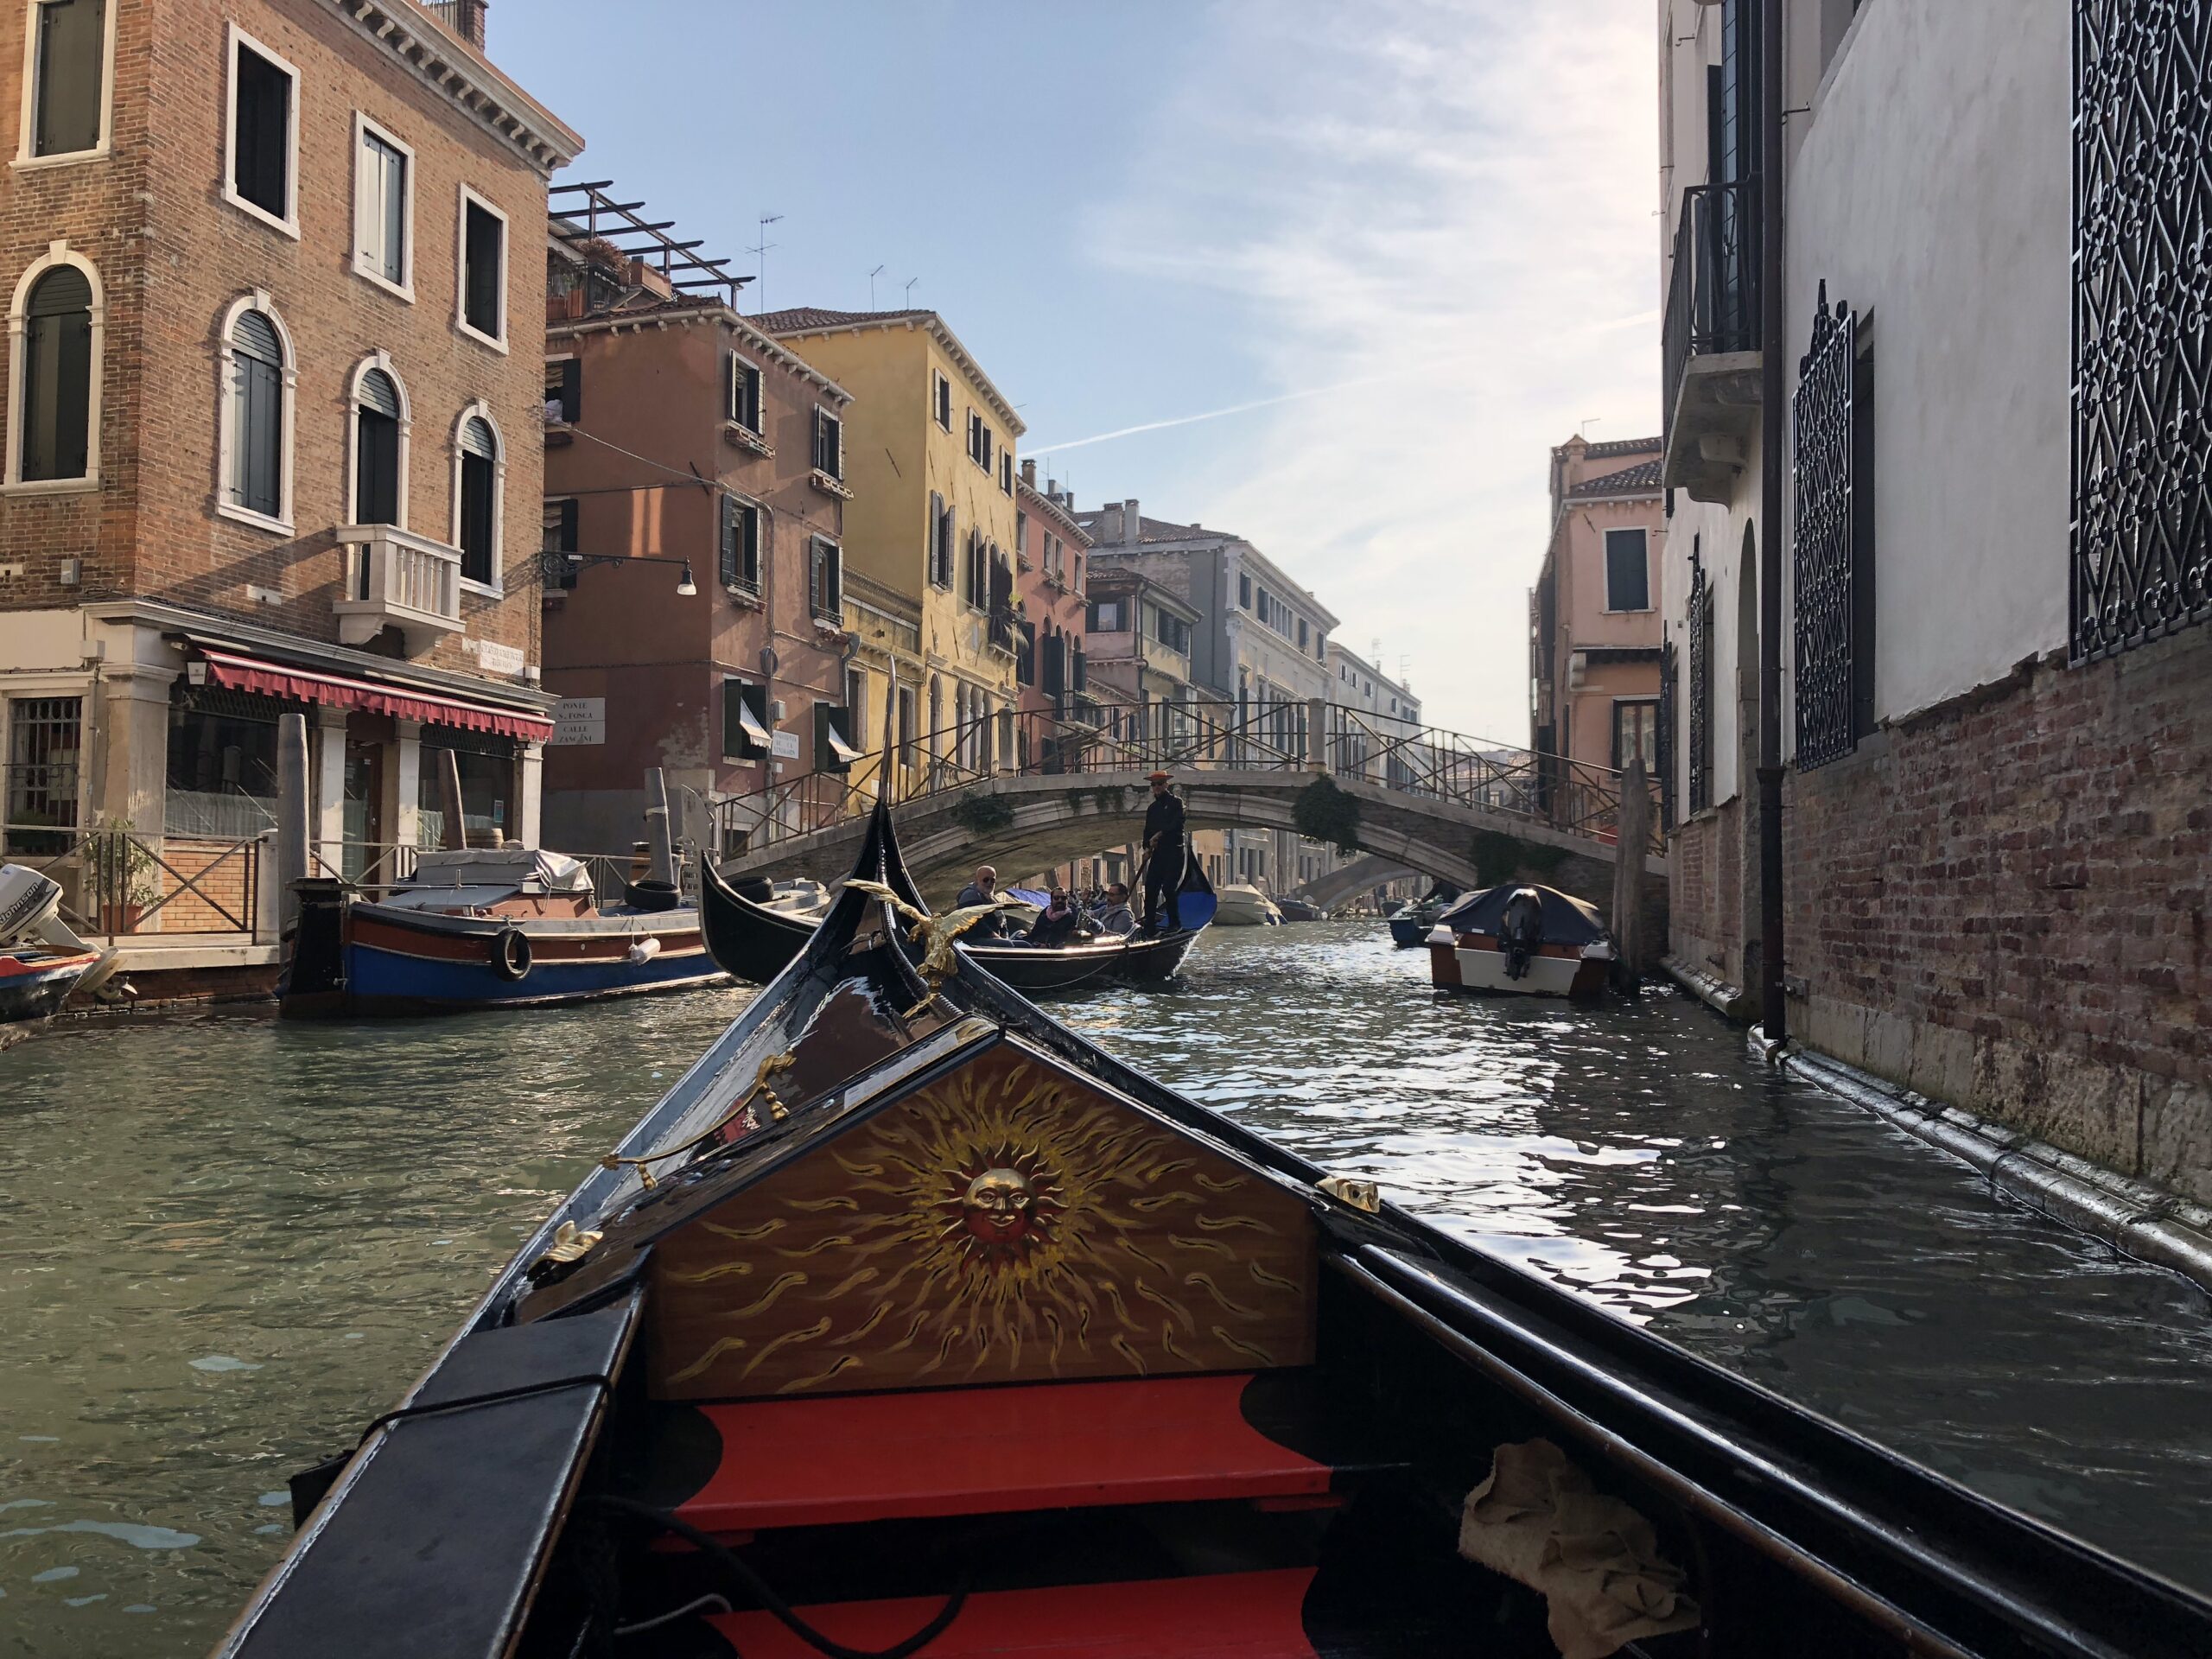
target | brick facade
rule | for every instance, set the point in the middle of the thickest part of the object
(118, 569)
(2002, 902)
(651, 381)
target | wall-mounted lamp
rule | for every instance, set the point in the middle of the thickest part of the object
(553, 567)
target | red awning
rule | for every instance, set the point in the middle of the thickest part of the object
(277, 680)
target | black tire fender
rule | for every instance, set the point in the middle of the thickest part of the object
(510, 953)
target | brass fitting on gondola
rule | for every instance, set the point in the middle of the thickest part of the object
(1350, 1190)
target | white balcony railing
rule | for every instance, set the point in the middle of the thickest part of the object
(395, 578)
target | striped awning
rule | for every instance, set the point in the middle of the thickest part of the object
(241, 673)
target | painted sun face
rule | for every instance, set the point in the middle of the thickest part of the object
(997, 1205)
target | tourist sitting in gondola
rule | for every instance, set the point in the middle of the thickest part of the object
(1059, 923)
(983, 890)
(1113, 915)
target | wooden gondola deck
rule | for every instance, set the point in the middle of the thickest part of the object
(909, 1322)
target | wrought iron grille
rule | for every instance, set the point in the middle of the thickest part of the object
(2142, 514)
(1701, 628)
(1821, 418)
(1669, 738)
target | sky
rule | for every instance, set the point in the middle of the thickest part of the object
(1349, 270)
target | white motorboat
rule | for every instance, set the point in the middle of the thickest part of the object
(1241, 904)
(41, 960)
(1521, 941)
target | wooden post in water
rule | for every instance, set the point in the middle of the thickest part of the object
(657, 825)
(291, 816)
(455, 834)
(1633, 822)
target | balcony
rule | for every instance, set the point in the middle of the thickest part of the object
(397, 579)
(1711, 339)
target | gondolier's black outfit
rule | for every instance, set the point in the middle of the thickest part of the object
(1166, 846)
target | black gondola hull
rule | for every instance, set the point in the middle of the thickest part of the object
(871, 1192)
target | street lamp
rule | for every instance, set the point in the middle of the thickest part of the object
(554, 565)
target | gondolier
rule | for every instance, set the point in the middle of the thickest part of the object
(1166, 844)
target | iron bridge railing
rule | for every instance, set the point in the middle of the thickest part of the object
(1421, 762)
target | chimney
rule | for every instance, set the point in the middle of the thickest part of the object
(1052, 488)
(462, 17)
(1029, 473)
(1132, 521)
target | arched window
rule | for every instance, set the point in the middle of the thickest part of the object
(379, 418)
(257, 414)
(476, 490)
(54, 428)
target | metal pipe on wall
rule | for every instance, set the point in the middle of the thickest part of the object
(1774, 1017)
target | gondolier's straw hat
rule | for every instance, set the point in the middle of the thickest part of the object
(1158, 778)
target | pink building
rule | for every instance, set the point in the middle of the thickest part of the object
(1051, 552)
(1593, 614)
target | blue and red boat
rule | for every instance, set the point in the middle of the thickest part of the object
(486, 928)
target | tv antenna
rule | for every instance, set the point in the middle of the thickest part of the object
(760, 253)
(872, 275)
(1583, 431)
(909, 291)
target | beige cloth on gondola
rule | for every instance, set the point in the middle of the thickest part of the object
(1596, 1562)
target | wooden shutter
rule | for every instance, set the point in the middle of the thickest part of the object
(572, 390)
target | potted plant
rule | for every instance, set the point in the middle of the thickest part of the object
(120, 874)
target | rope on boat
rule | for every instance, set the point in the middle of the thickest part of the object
(786, 1614)
(760, 1089)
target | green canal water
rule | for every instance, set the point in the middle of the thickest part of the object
(224, 1243)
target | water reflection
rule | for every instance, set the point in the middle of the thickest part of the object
(229, 1241)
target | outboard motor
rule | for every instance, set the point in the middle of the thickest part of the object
(1521, 929)
(30, 908)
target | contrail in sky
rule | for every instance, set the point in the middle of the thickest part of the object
(1210, 415)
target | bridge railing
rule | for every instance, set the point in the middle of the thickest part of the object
(1400, 755)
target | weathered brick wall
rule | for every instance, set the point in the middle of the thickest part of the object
(1705, 869)
(172, 255)
(2002, 902)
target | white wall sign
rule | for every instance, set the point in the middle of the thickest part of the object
(495, 658)
(786, 744)
(578, 721)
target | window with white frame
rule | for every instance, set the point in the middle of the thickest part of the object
(1006, 472)
(256, 439)
(68, 55)
(379, 420)
(54, 330)
(483, 275)
(825, 580)
(264, 134)
(828, 443)
(383, 206)
(979, 440)
(1628, 570)
(740, 545)
(741, 385)
(941, 398)
(941, 540)
(476, 498)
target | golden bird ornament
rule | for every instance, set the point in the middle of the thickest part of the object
(936, 934)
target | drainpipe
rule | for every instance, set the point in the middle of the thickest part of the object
(1774, 1014)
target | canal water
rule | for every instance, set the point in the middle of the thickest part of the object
(226, 1243)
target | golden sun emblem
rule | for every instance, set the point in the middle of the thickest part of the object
(1007, 1212)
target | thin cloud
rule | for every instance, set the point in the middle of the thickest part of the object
(1440, 208)
(1216, 414)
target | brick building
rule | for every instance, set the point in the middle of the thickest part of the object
(678, 431)
(1593, 643)
(1994, 727)
(271, 437)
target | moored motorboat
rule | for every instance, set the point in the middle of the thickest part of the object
(41, 960)
(757, 940)
(1521, 940)
(1299, 910)
(909, 1321)
(1242, 904)
(1412, 923)
(487, 928)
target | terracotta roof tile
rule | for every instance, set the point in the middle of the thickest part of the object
(1641, 479)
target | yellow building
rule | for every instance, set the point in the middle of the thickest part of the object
(929, 456)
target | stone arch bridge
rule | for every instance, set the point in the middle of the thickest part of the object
(1428, 800)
